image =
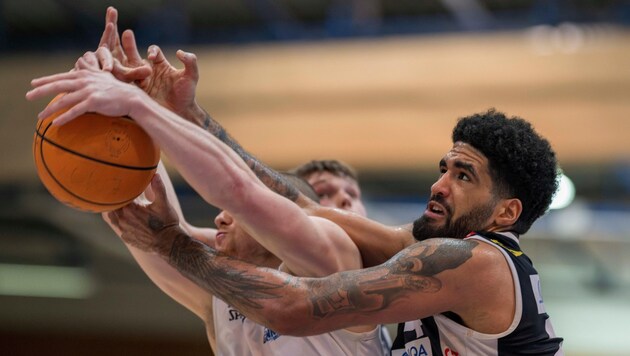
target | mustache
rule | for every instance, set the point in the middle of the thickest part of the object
(440, 199)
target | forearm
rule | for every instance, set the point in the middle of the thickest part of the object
(419, 278)
(267, 175)
(292, 305)
(207, 164)
(376, 242)
(224, 180)
(174, 284)
(170, 192)
(194, 113)
(265, 295)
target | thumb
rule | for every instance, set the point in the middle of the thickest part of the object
(148, 193)
(157, 189)
(190, 64)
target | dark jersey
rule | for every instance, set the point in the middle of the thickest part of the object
(530, 333)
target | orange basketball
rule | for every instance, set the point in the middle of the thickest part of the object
(94, 163)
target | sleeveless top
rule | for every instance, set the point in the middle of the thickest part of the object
(236, 335)
(530, 333)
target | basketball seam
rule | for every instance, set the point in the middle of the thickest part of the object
(44, 138)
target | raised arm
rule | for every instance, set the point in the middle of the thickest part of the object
(310, 246)
(175, 89)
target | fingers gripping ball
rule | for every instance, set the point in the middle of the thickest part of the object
(94, 163)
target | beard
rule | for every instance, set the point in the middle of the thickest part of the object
(475, 220)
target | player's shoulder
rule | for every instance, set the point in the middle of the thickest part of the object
(458, 253)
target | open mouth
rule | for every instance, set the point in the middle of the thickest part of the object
(436, 208)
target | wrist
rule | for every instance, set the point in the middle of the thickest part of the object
(167, 238)
(139, 108)
(194, 113)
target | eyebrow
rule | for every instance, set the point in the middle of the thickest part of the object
(320, 181)
(461, 165)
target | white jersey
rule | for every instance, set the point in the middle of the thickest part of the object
(238, 336)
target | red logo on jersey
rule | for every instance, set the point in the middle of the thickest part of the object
(449, 352)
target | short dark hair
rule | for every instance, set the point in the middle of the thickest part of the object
(338, 168)
(522, 163)
(301, 184)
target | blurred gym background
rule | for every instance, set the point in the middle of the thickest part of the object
(378, 84)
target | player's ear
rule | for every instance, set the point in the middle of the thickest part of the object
(508, 212)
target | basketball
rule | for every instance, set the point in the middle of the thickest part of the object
(94, 163)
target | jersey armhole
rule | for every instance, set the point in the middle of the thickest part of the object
(518, 297)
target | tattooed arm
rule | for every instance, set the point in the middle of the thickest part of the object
(175, 89)
(164, 210)
(434, 276)
(425, 279)
(416, 283)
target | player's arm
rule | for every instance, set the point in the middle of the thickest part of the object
(204, 234)
(213, 169)
(376, 242)
(175, 89)
(308, 246)
(424, 279)
(163, 275)
(169, 279)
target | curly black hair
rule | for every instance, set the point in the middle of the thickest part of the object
(522, 163)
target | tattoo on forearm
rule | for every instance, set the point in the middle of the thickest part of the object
(222, 275)
(268, 176)
(414, 270)
(246, 287)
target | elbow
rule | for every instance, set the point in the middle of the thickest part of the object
(236, 195)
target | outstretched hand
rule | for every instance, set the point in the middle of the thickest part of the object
(148, 226)
(123, 58)
(172, 87)
(86, 91)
